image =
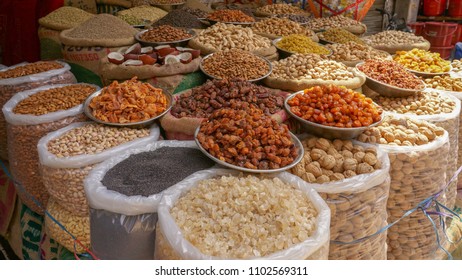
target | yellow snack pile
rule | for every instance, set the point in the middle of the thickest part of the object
(422, 61)
(298, 43)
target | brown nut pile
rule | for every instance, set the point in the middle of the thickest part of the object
(30, 69)
(308, 67)
(282, 8)
(235, 63)
(444, 82)
(392, 73)
(223, 37)
(328, 161)
(230, 16)
(331, 22)
(165, 33)
(280, 27)
(216, 94)
(340, 36)
(247, 138)
(54, 99)
(401, 132)
(353, 51)
(423, 103)
(393, 38)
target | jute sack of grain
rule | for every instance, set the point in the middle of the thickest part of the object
(32, 75)
(52, 24)
(86, 5)
(358, 204)
(85, 45)
(173, 243)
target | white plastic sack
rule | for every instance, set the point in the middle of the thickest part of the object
(34, 77)
(315, 247)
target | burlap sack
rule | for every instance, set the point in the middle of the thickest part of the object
(184, 128)
(205, 50)
(50, 45)
(115, 42)
(297, 85)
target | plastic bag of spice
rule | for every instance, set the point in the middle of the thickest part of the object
(68, 155)
(416, 172)
(358, 203)
(26, 76)
(124, 191)
(31, 115)
(172, 242)
(179, 127)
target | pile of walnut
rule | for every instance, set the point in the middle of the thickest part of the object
(327, 161)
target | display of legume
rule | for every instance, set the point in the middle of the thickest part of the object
(281, 8)
(30, 69)
(65, 17)
(331, 22)
(335, 106)
(102, 26)
(143, 12)
(152, 172)
(422, 61)
(230, 16)
(353, 51)
(165, 33)
(280, 27)
(392, 73)
(298, 43)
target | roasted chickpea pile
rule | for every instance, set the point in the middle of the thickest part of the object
(335, 106)
(247, 138)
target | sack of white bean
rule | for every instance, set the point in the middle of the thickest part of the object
(31, 115)
(257, 227)
(418, 153)
(354, 180)
(26, 76)
(68, 155)
(439, 108)
(124, 191)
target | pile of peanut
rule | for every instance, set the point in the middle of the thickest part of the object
(280, 27)
(353, 51)
(444, 82)
(276, 9)
(227, 36)
(331, 22)
(235, 63)
(30, 69)
(308, 67)
(401, 132)
(422, 103)
(393, 38)
(327, 161)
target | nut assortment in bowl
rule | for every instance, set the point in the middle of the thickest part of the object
(130, 103)
(389, 78)
(333, 111)
(245, 139)
(165, 34)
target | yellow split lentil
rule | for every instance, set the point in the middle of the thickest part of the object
(298, 43)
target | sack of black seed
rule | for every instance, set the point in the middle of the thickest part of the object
(123, 194)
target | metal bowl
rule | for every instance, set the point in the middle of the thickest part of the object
(389, 90)
(428, 75)
(327, 131)
(88, 112)
(253, 80)
(179, 43)
(285, 53)
(244, 24)
(299, 157)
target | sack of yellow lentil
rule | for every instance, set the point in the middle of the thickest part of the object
(68, 155)
(219, 228)
(30, 115)
(26, 76)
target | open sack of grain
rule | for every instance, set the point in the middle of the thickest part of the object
(221, 228)
(124, 192)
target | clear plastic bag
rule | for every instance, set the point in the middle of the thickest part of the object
(359, 208)
(63, 176)
(24, 133)
(123, 227)
(9, 87)
(170, 243)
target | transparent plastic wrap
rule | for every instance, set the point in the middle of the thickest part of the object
(123, 227)
(450, 122)
(359, 208)
(9, 87)
(63, 176)
(170, 243)
(24, 132)
(416, 172)
(78, 226)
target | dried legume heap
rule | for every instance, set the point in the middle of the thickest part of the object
(66, 17)
(422, 61)
(165, 33)
(353, 51)
(92, 139)
(144, 12)
(54, 99)
(244, 217)
(298, 43)
(335, 106)
(230, 16)
(280, 27)
(103, 26)
(235, 64)
(328, 161)
(30, 69)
